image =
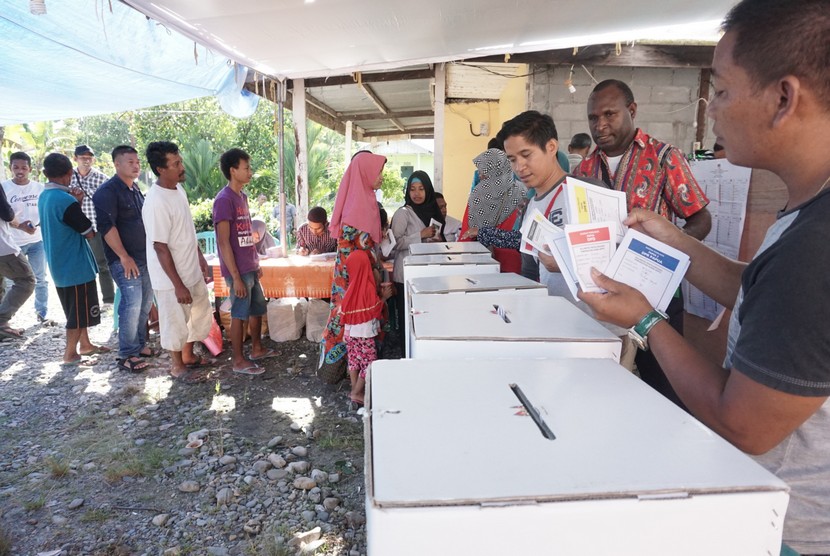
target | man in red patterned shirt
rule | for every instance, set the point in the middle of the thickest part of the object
(654, 176)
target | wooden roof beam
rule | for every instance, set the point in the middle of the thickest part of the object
(396, 115)
(380, 77)
(369, 92)
(639, 55)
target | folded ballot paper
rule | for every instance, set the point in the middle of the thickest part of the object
(640, 261)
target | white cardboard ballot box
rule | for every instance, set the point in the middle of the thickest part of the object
(448, 248)
(477, 283)
(418, 266)
(457, 464)
(471, 326)
(501, 283)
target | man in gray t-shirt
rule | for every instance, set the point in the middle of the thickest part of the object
(769, 398)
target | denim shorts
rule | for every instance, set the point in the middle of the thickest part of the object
(253, 304)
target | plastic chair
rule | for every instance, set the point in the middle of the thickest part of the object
(207, 242)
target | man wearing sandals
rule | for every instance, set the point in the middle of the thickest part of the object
(71, 262)
(118, 206)
(13, 266)
(239, 262)
(178, 271)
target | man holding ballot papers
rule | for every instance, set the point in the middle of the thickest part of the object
(769, 398)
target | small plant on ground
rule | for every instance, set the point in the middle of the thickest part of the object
(57, 467)
(35, 504)
(5, 543)
(96, 515)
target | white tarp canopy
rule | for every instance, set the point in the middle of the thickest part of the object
(318, 38)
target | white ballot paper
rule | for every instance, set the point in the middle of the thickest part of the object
(587, 203)
(435, 224)
(650, 266)
(533, 228)
(558, 243)
(387, 243)
(590, 245)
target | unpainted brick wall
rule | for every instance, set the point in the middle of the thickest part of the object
(665, 99)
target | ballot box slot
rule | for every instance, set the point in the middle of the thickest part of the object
(502, 313)
(532, 412)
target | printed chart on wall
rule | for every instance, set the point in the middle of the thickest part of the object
(726, 186)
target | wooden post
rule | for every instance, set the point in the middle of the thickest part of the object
(281, 147)
(348, 150)
(440, 93)
(703, 93)
(300, 150)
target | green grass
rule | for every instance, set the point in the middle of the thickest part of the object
(6, 544)
(138, 463)
(97, 515)
(58, 468)
(34, 504)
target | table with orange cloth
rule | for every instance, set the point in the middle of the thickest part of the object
(292, 276)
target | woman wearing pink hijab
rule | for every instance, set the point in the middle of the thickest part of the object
(355, 222)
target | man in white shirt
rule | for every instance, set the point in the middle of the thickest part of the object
(14, 267)
(22, 195)
(451, 225)
(178, 271)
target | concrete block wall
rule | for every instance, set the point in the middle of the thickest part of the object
(665, 100)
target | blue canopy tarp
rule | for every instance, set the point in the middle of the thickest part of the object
(86, 57)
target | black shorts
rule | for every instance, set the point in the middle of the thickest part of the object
(80, 305)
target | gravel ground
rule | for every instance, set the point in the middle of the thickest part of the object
(99, 461)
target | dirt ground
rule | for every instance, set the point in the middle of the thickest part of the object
(96, 460)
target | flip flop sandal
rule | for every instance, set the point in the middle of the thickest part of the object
(9, 332)
(192, 377)
(266, 355)
(71, 364)
(202, 362)
(98, 350)
(132, 366)
(153, 353)
(251, 370)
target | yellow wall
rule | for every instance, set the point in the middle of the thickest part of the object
(460, 146)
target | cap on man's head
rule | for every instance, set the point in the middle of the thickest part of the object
(81, 150)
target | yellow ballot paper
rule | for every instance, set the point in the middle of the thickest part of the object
(586, 203)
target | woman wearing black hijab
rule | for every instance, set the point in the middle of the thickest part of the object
(411, 224)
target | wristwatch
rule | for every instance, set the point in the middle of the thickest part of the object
(639, 332)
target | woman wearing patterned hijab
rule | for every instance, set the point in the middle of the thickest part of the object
(498, 193)
(494, 204)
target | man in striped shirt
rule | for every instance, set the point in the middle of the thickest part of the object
(89, 179)
(314, 238)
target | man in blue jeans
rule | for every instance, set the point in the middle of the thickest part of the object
(23, 194)
(118, 205)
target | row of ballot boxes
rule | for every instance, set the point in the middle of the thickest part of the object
(512, 429)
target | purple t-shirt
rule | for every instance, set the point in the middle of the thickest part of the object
(233, 207)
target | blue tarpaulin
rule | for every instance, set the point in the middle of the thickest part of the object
(86, 57)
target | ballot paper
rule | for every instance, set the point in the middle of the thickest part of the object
(557, 242)
(587, 203)
(387, 243)
(650, 266)
(534, 227)
(435, 224)
(590, 246)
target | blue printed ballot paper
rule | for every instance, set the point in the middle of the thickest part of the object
(650, 266)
